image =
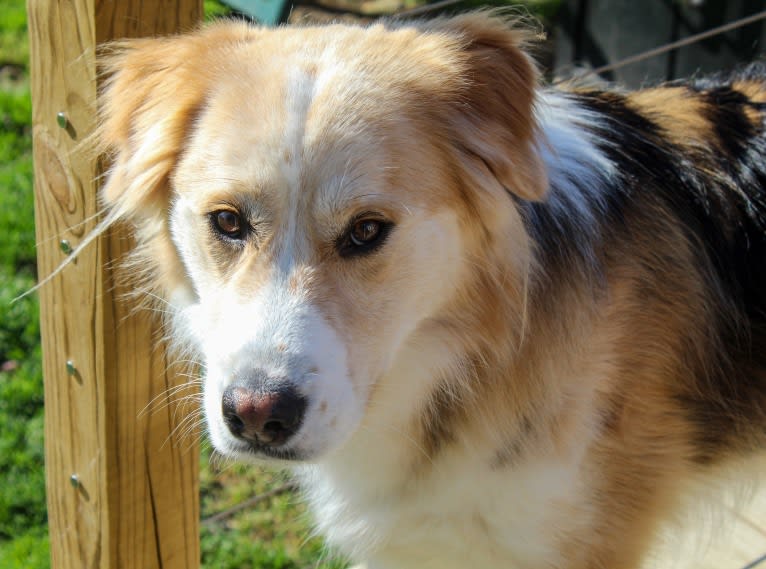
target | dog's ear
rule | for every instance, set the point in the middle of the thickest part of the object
(146, 107)
(152, 91)
(495, 114)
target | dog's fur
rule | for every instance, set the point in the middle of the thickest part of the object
(563, 328)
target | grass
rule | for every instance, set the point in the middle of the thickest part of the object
(23, 532)
(274, 534)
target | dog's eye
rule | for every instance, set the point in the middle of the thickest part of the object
(365, 232)
(363, 236)
(227, 223)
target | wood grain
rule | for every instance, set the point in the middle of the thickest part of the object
(137, 504)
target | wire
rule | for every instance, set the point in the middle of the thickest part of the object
(628, 60)
(674, 45)
(215, 518)
(754, 564)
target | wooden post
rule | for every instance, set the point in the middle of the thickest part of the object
(122, 493)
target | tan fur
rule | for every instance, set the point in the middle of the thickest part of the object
(678, 111)
(754, 92)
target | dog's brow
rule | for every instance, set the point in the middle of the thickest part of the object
(350, 204)
(220, 187)
(368, 197)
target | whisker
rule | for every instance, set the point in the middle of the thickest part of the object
(185, 430)
(168, 397)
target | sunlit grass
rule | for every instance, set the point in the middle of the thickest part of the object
(23, 520)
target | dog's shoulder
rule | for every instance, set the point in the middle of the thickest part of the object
(687, 160)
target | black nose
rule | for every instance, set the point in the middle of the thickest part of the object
(264, 417)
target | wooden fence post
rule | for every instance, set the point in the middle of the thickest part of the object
(121, 493)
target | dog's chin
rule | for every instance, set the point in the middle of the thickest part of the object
(256, 453)
(293, 452)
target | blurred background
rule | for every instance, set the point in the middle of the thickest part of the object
(251, 517)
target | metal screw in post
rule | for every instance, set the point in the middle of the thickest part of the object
(76, 483)
(63, 121)
(73, 372)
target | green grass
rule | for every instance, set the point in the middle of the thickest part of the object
(14, 47)
(273, 533)
(23, 533)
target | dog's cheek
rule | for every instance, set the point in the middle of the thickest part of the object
(186, 233)
(429, 253)
(213, 387)
(379, 319)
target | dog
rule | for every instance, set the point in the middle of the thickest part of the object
(486, 323)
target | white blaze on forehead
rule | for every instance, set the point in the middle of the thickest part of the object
(314, 184)
(299, 94)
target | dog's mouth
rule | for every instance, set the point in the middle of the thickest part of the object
(248, 451)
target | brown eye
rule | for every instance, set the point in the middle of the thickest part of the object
(227, 223)
(363, 236)
(365, 232)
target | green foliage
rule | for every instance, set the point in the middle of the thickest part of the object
(214, 9)
(23, 519)
(17, 248)
(22, 495)
(20, 326)
(29, 551)
(14, 48)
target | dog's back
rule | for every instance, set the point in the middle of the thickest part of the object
(689, 164)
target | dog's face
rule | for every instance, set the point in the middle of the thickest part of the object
(311, 257)
(309, 198)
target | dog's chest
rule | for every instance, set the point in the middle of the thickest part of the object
(474, 516)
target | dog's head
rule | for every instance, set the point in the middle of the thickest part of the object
(310, 198)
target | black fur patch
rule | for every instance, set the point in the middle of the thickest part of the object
(715, 191)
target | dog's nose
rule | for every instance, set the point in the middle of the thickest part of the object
(264, 417)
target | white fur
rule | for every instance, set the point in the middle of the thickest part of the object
(277, 332)
(577, 170)
(366, 505)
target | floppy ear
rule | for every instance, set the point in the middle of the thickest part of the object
(153, 90)
(146, 107)
(495, 116)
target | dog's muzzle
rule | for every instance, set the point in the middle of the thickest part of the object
(262, 415)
